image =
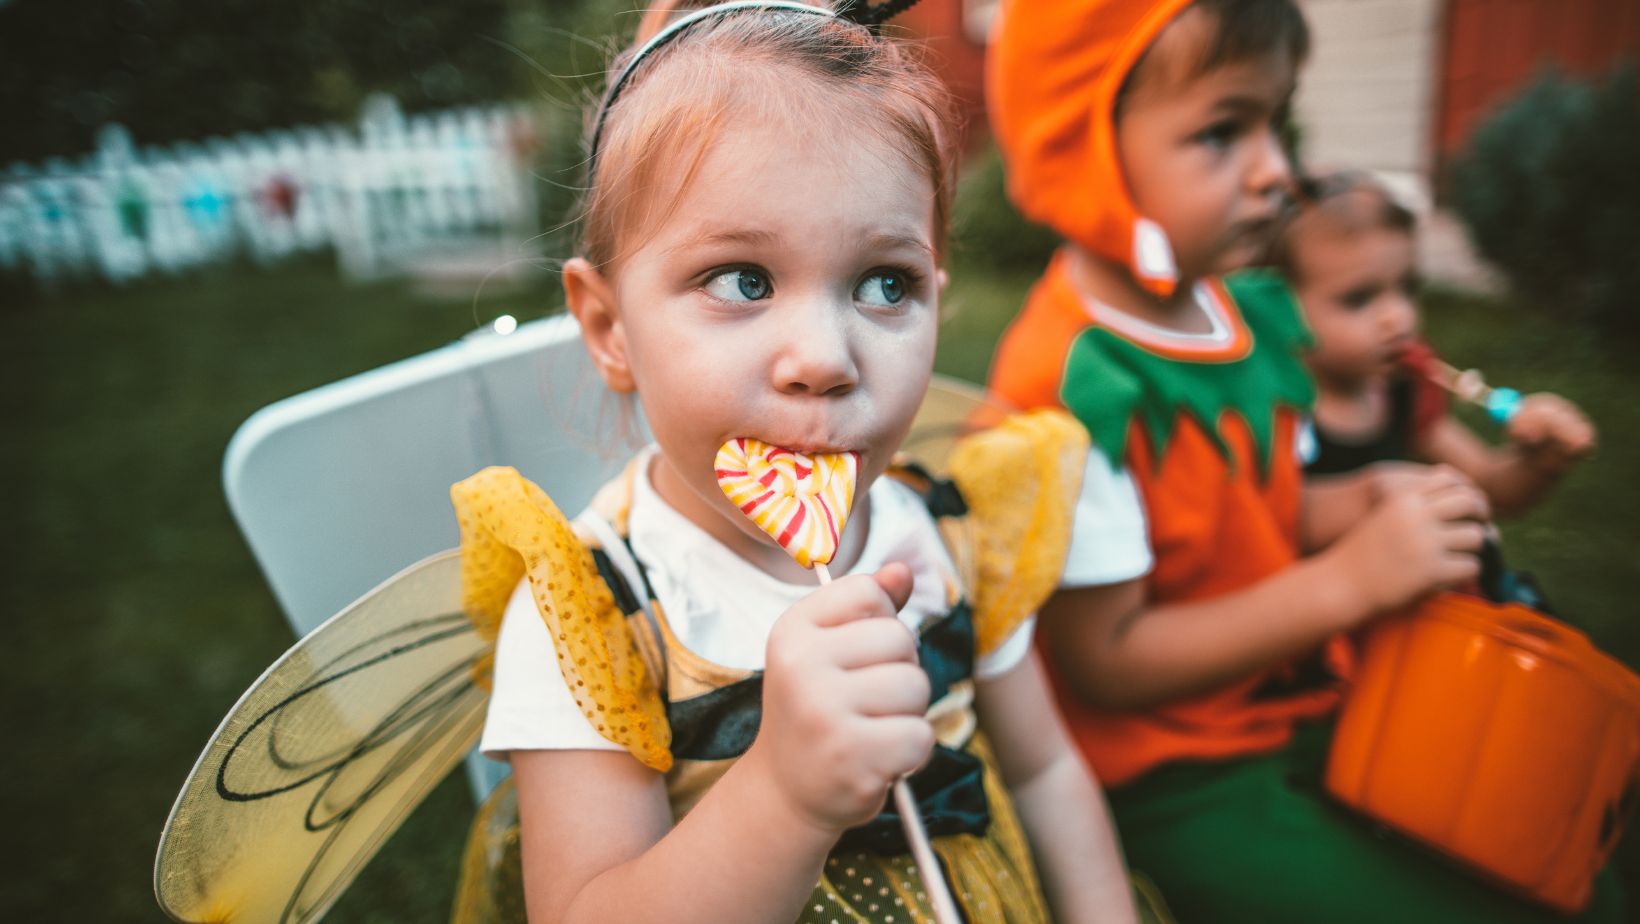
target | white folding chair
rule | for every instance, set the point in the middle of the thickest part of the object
(339, 488)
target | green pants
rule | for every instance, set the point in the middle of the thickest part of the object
(1257, 840)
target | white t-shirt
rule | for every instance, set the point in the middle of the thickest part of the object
(717, 604)
(1109, 539)
(1110, 542)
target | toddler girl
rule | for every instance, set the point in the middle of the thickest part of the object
(762, 258)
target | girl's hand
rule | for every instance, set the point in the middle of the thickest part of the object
(1551, 432)
(843, 700)
(1421, 537)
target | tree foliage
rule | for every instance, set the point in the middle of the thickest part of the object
(987, 229)
(1550, 189)
(172, 70)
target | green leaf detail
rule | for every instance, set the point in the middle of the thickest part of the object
(1110, 381)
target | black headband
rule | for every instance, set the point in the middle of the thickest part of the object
(859, 12)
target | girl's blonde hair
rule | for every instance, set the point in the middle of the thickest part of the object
(754, 63)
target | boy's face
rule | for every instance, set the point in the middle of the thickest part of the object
(1202, 154)
(1357, 293)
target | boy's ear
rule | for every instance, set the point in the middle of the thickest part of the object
(591, 300)
(941, 279)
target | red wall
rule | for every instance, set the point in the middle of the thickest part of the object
(1494, 47)
(958, 61)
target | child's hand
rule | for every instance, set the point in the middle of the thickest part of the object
(1387, 479)
(844, 700)
(1421, 537)
(1551, 432)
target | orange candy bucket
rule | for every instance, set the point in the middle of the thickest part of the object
(1496, 735)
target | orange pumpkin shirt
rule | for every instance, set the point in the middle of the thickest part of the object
(1207, 435)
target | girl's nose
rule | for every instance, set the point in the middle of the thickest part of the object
(816, 356)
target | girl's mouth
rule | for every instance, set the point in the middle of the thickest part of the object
(809, 447)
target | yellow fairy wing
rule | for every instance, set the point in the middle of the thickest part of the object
(326, 754)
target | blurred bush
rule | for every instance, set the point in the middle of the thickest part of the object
(1550, 189)
(987, 230)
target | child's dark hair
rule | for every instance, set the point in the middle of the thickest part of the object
(1241, 30)
(747, 65)
(1344, 203)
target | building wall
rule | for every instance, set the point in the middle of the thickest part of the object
(1368, 97)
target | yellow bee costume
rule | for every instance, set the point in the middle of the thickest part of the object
(1004, 518)
(346, 733)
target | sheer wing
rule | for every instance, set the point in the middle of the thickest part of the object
(326, 754)
(951, 410)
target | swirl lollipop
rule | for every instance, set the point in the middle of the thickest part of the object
(802, 501)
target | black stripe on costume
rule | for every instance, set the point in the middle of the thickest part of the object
(941, 496)
(950, 793)
(946, 652)
(632, 607)
(717, 725)
(624, 598)
(722, 723)
(950, 790)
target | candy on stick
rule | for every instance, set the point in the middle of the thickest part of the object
(1468, 385)
(802, 502)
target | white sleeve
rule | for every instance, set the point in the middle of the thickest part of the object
(1008, 655)
(531, 707)
(1109, 539)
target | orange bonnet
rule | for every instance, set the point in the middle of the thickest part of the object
(1053, 74)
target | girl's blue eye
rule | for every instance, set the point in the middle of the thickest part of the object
(883, 289)
(739, 285)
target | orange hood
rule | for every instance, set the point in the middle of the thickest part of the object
(1052, 76)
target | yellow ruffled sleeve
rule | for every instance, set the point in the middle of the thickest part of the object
(1020, 480)
(511, 529)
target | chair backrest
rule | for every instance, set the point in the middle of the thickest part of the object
(338, 488)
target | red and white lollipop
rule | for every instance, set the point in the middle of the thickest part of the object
(800, 500)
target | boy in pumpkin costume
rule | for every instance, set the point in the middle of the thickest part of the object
(1194, 653)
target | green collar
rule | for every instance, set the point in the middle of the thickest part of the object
(1111, 381)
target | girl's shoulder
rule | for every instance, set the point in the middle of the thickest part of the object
(1003, 508)
(512, 531)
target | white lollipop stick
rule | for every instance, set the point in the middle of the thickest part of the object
(916, 836)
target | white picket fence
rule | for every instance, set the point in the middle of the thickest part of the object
(379, 196)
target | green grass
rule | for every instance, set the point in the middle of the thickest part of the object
(135, 615)
(1583, 542)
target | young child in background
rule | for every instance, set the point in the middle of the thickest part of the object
(696, 732)
(1349, 255)
(1196, 655)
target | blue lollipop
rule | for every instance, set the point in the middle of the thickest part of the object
(1501, 404)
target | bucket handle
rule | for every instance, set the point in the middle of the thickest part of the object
(1614, 819)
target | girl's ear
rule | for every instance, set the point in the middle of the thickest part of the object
(941, 279)
(591, 300)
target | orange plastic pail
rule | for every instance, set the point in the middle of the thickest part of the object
(1497, 736)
